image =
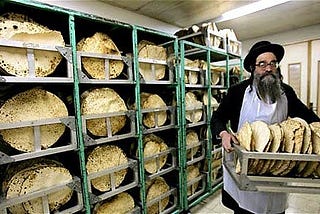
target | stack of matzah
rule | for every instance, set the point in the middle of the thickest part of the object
(35, 175)
(14, 61)
(216, 166)
(103, 158)
(153, 101)
(119, 204)
(152, 146)
(99, 101)
(149, 50)
(193, 172)
(290, 136)
(202, 32)
(215, 71)
(33, 104)
(192, 138)
(155, 188)
(191, 77)
(102, 44)
(205, 99)
(193, 107)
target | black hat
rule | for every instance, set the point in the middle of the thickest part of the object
(259, 48)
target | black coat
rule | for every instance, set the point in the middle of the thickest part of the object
(229, 108)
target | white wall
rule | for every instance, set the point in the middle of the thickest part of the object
(315, 93)
(285, 38)
(297, 53)
(112, 13)
(296, 50)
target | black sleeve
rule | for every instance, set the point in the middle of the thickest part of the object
(228, 110)
(296, 108)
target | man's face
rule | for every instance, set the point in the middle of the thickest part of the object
(267, 77)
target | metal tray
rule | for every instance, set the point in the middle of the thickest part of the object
(269, 183)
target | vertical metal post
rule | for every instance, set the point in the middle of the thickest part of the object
(208, 127)
(139, 118)
(182, 141)
(76, 98)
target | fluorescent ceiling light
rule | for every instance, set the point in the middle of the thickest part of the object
(248, 9)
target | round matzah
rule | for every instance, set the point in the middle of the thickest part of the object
(192, 139)
(215, 173)
(191, 77)
(192, 172)
(121, 203)
(192, 63)
(215, 77)
(45, 177)
(306, 145)
(214, 103)
(157, 187)
(14, 60)
(277, 137)
(291, 165)
(260, 135)
(298, 129)
(292, 141)
(289, 127)
(280, 167)
(17, 19)
(153, 101)
(276, 141)
(215, 72)
(244, 136)
(15, 167)
(309, 169)
(103, 44)
(317, 171)
(260, 141)
(216, 163)
(102, 158)
(153, 145)
(192, 102)
(149, 50)
(99, 101)
(19, 174)
(14, 187)
(315, 135)
(34, 104)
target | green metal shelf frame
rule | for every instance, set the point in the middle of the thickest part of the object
(174, 40)
(179, 53)
(208, 54)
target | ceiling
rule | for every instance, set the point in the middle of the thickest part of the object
(184, 13)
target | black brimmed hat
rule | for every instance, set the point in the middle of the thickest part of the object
(259, 48)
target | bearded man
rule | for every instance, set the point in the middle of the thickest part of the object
(262, 97)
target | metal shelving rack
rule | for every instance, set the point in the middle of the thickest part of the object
(74, 26)
(67, 80)
(211, 56)
(170, 86)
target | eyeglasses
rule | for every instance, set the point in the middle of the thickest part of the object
(263, 64)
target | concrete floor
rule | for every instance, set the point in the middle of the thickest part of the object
(298, 204)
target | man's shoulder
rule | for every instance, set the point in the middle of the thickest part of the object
(286, 87)
(241, 85)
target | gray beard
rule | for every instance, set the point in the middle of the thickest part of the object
(268, 86)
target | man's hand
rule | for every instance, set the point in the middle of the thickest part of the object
(226, 139)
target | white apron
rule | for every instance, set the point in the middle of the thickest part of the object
(254, 109)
